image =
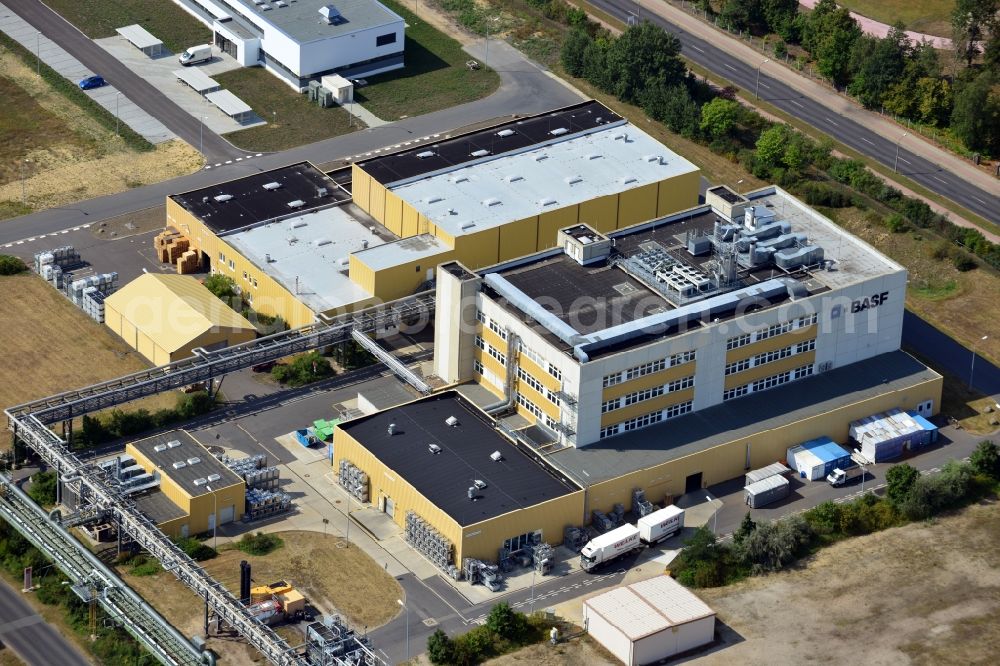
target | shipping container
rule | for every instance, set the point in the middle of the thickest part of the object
(764, 492)
(814, 459)
(774, 469)
(889, 435)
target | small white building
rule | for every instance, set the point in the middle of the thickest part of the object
(299, 40)
(645, 622)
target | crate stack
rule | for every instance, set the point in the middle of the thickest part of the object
(575, 538)
(52, 264)
(93, 304)
(265, 503)
(617, 515)
(106, 283)
(544, 558)
(478, 572)
(640, 505)
(353, 480)
(254, 470)
(421, 535)
(601, 522)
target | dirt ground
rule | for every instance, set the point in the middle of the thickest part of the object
(578, 651)
(66, 155)
(334, 579)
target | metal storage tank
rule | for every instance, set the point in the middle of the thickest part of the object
(646, 622)
(767, 490)
(773, 469)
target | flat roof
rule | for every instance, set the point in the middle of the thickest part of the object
(520, 480)
(139, 36)
(308, 255)
(300, 19)
(187, 449)
(230, 104)
(197, 79)
(569, 169)
(251, 203)
(158, 507)
(514, 135)
(648, 607)
(741, 418)
(423, 246)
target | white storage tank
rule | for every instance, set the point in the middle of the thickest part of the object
(647, 622)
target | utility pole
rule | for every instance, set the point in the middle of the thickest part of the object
(895, 165)
(756, 92)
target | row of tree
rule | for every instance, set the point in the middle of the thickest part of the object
(893, 73)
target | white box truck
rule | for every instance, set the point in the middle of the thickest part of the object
(610, 546)
(196, 54)
(661, 525)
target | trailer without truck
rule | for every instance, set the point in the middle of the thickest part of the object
(843, 476)
(610, 546)
(660, 525)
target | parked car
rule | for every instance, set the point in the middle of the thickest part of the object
(359, 83)
(94, 81)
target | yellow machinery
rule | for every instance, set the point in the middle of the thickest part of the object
(292, 601)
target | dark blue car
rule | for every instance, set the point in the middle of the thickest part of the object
(94, 81)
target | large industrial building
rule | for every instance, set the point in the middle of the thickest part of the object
(300, 244)
(299, 40)
(166, 317)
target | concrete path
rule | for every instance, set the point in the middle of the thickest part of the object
(159, 72)
(58, 59)
(366, 116)
(877, 29)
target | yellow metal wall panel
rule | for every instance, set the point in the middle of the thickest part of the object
(203, 506)
(410, 221)
(424, 226)
(518, 239)
(478, 250)
(361, 273)
(768, 369)
(174, 528)
(600, 213)
(163, 357)
(637, 205)
(145, 346)
(770, 344)
(394, 214)
(128, 334)
(551, 222)
(361, 188)
(678, 193)
(646, 407)
(483, 540)
(377, 201)
(538, 372)
(729, 460)
(648, 381)
(493, 338)
(113, 320)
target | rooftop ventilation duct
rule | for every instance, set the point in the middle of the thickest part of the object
(180, 464)
(434, 448)
(451, 421)
(222, 197)
(573, 180)
(331, 15)
(513, 178)
(159, 448)
(214, 477)
(423, 155)
(482, 152)
(547, 201)
(391, 429)
(298, 203)
(194, 460)
(480, 484)
(274, 185)
(173, 444)
(496, 456)
(505, 132)
(559, 131)
(491, 201)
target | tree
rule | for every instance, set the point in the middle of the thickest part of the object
(440, 648)
(779, 16)
(900, 480)
(975, 118)
(505, 622)
(642, 54)
(986, 459)
(771, 146)
(223, 286)
(746, 528)
(194, 404)
(11, 265)
(673, 106)
(701, 546)
(971, 21)
(772, 545)
(595, 64)
(877, 65)
(573, 50)
(829, 35)
(718, 117)
(934, 100)
(43, 488)
(741, 14)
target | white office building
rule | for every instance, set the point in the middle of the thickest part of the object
(300, 40)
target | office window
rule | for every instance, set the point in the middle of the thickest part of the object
(385, 40)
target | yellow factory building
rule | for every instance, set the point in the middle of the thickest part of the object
(300, 243)
(196, 491)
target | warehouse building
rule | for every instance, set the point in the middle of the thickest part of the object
(440, 459)
(196, 491)
(647, 622)
(299, 40)
(166, 317)
(299, 244)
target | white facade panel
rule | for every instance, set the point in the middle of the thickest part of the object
(608, 635)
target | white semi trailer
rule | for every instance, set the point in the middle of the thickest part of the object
(610, 546)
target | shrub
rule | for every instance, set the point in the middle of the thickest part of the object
(899, 480)
(962, 261)
(780, 50)
(896, 223)
(985, 459)
(11, 265)
(197, 550)
(824, 518)
(259, 543)
(193, 404)
(506, 623)
(440, 648)
(304, 369)
(772, 545)
(43, 488)
(146, 567)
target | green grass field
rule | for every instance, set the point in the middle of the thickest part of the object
(932, 17)
(99, 18)
(435, 76)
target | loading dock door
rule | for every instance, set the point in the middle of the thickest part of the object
(227, 514)
(390, 507)
(693, 483)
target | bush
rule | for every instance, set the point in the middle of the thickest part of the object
(43, 488)
(10, 265)
(985, 459)
(196, 550)
(772, 545)
(821, 194)
(259, 543)
(440, 648)
(190, 405)
(899, 480)
(896, 223)
(303, 369)
(506, 623)
(962, 261)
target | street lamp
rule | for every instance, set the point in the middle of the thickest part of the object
(531, 602)
(715, 516)
(756, 92)
(407, 611)
(895, 165)
(117, 96)
(215, 518)
(972, 366)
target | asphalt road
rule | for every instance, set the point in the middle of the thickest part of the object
(840, 127)
(27, 634)
(137, 89)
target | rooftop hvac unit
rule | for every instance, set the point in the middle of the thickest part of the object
(468, 225)
(298, 203)
(223, 197)
(320, 242)
(297, 223)
(173, 444)
(626, 180)
(281, 3)
(391, 429)
(452, 421)
(273, 185)
(321, 192)
(559, 131)
(423, 155)
(331, 15)
(547, 201)
(491, 201)
(180, 464)
(496, 456)
(513, 178)
(505, 132)
(214, 477)
(472, 493)
(480, 484)
(594, 156)
(160, 448)
(265, 8)
(193, 461)
(479, 153)
(432, 199)
(572, 180)
(200, 482)
(434, 448)
(651, 158)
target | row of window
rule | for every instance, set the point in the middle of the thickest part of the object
(648, 368)
(648, 394)
(768, 382)
(539, 361)
(528, 379)
(491, 350)
(530, 406)
(775, 329)
(646, 419)
(485, 373)
(768, 357)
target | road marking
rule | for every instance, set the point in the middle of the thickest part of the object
(764, 85)
(229, 161)
(258, 154)
(832, 122)
(64, 231)
(239, 159)
(903, 159)
(218, 164)
(19, 243)
(207, 168)
(85, 226)
(939, 180)
(796, 103)
(729, 66)
(980, 200)
(867, 141)
(692, 46)
(9, 245)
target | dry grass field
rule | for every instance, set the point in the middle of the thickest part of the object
(341, 580)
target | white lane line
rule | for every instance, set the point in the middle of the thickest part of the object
(692, 46)
(19, 243)
(730, 66)
(832, 122)
(85, 226)
(218, 164)
(939, 180)
(796, 103)
(76, 228)
(903, 159)
(9, 245)
(239, 159)
(980, 200)
(64, 231)
(30, 239)
(867, 141)
(207, 168)
(764, 85)
(229, 161)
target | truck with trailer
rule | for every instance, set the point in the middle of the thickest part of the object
(660, 525)
(610, 546)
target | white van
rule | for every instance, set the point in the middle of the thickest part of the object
(196, 54)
